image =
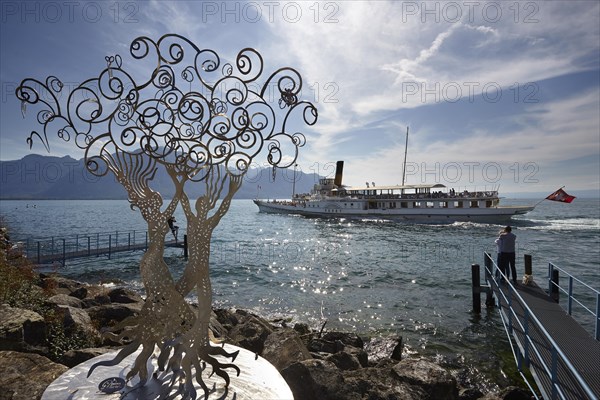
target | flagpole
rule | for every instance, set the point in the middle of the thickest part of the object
(405, 151)
(546, 198)
(536, 204)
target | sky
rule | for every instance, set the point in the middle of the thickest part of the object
(494, 94)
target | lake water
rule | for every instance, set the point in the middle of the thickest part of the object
(376, 278)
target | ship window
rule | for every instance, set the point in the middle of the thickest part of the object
(458, 204)
(351, 204)
(403, 204)
(488, 203)
(430, 204)
(474, 204)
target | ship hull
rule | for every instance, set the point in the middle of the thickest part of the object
(419, 215)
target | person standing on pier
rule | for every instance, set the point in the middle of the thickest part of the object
(507, 241)
(174, 228)
(501, 271)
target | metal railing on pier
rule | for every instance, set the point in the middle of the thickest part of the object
(554, 288)
(560, 354)
(54, 249)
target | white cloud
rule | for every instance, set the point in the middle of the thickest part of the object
(374, 49)
(560, 130)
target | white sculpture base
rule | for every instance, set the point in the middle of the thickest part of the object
(258, 379)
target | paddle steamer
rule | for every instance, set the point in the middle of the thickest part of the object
(417, 203)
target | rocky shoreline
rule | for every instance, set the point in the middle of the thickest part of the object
(64, 327)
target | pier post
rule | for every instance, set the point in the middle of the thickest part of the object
(185, 247)
(554, 291)
(489, 294)
(128, 240)
(598, 316)
(528, 264)
(475, 279)
(109, 245)
(89, 246)
(526, 344)
(97, 245)
(570, 298)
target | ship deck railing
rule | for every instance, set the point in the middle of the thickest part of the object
(423, 196)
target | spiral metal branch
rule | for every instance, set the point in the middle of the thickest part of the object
(194, 111)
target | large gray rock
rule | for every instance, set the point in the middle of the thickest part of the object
(80, 293)
(348, 339)
(433, 379)
(218, 330)
(345, 361)
(319, 345)
(19, 327)
(316, 380)
(122, 295)
(54, 282)
(515, 393)
(97, 300)
(76, 320)
(75, 357)
(227, 318)
(361, 355)
(251, 332)
(109, 314)
(65, 300)
(383, 347)
(25, 376)
(381, 383)
(324, 380)
(284, 347)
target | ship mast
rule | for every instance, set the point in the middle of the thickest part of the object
(405, 151)
(294, 184)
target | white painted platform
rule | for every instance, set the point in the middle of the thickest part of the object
(258, 379)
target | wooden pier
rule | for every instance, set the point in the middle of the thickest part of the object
(561, 355)
(52, 250)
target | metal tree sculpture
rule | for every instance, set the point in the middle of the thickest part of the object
(204, 122)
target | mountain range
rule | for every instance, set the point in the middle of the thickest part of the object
(38, 177)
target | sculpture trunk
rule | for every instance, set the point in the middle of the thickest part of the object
(196, 275)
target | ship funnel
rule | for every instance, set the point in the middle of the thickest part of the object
(339, 170)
